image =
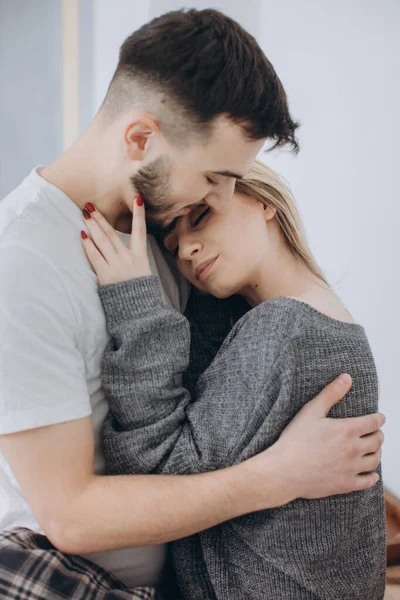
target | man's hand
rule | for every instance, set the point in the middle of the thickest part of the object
(316, 456)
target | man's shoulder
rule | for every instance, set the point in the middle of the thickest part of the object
(37, 228)
(27, 209)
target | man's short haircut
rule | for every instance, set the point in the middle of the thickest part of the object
(197, 66)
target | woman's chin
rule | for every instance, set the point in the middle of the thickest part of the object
(219, 291)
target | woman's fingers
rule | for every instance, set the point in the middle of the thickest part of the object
(112, 261)
(91, 215)
(102, 241)
(138, 242)
(96, 259)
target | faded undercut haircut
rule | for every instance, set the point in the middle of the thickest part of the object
(189, 67)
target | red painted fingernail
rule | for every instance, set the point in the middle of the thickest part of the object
(83, 235)
(139, 200)
(89, 206)
(86, 214)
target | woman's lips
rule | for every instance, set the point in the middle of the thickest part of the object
(204, 271)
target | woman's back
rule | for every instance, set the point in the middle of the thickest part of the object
(285, 351)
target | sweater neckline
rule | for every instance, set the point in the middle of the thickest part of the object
(316, 315)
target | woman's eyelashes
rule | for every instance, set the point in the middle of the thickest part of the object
(196, 222)
(201, 216)
(211, 181)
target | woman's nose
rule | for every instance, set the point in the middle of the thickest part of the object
(188, 249)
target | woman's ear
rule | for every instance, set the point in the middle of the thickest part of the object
(269, 212)
(137, 137)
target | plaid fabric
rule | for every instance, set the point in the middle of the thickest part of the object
(31, 568)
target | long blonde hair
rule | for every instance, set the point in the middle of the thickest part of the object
(266, 186)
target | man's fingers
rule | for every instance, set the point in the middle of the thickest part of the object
(360, 426)
(372, 442)
(330, 395)
(96, 259)
(138, 241)
(363, 482)
(370, 462)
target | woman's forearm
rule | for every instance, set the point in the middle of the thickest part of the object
(141, 376)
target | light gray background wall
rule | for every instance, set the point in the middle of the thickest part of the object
(30, 87)
(86, 73)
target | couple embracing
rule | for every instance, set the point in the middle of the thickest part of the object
(175, 367)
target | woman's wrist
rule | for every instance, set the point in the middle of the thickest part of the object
(128, 300)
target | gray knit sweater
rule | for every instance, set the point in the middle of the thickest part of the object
(278, 356)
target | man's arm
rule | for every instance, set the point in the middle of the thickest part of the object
(48, 438)
(81, 512)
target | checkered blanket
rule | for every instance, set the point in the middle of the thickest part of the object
(31, 568)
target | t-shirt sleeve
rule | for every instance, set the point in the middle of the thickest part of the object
(42, 373)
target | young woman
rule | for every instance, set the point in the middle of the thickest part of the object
(295, 338)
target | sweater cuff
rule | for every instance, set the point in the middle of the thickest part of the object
(129, 299)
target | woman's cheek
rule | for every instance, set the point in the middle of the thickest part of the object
(186, 272)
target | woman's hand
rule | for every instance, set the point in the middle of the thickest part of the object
(112, 261)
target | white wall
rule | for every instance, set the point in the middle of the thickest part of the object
(31, 87)
(112, 23)
(339, 62)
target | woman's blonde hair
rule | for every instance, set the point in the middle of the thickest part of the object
(266, 186)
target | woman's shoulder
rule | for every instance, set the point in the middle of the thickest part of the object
(265, 329)
(281, 321)
(280, 316)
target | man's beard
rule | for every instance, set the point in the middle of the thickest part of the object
(152, 182)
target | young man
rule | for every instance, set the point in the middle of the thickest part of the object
(191, 103)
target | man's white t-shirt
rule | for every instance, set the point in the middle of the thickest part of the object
(52, 337)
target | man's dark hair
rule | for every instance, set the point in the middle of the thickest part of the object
(201, 65)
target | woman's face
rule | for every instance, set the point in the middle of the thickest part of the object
(221, 249)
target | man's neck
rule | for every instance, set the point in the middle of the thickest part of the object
(86, 176)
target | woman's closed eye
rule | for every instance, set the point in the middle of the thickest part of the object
(201, 217)
(196, 219)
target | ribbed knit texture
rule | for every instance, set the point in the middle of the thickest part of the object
(276, 358)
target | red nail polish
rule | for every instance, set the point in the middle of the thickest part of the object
(89, 206)
(139, 200)
(86, 214)
(83, 235)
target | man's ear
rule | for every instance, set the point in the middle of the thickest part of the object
(269, 212)
(138, 135)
